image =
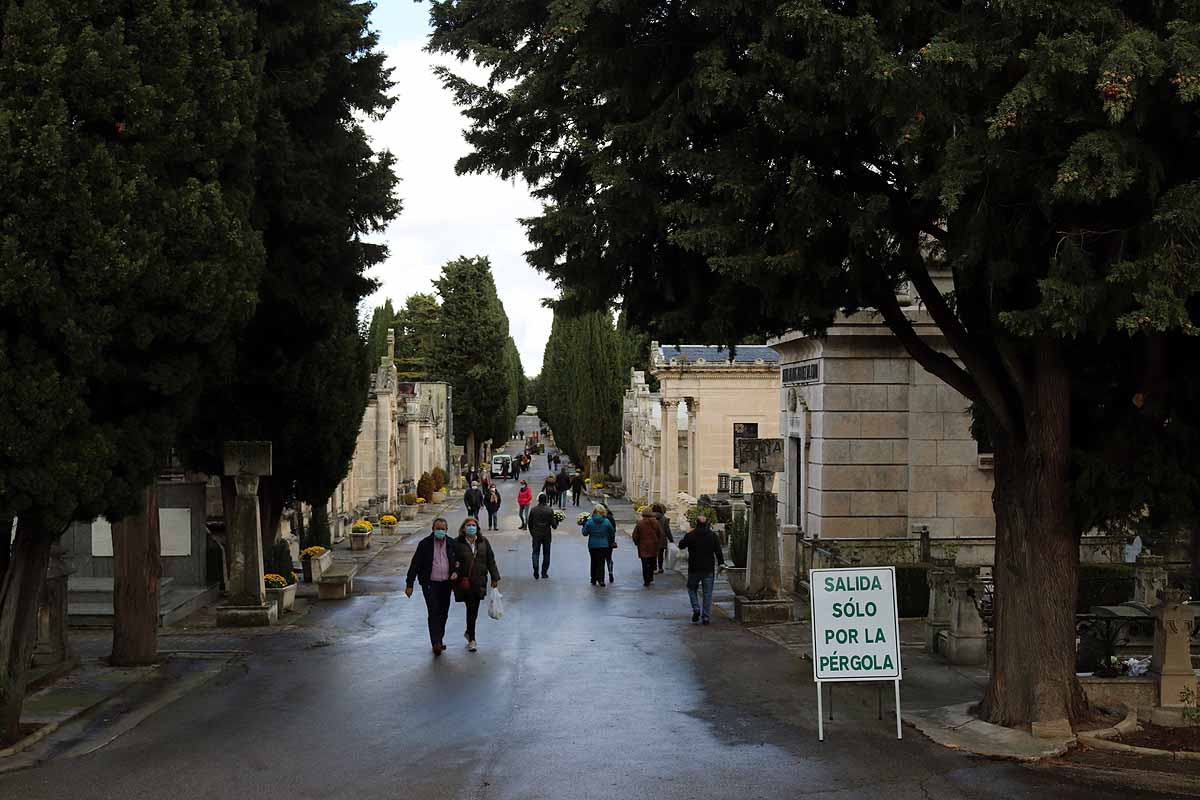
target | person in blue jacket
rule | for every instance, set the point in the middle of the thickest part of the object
(599, 532)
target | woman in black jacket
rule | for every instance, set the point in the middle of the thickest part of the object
(477, 563)
(492, 504)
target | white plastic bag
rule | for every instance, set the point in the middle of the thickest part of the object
(496, 604)
(672, 555)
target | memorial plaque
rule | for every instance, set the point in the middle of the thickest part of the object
(758, 455)
(248, 458)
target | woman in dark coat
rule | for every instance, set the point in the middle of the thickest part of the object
(492, 503)
(477, 563)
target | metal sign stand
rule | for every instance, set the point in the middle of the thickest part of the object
(879, 696)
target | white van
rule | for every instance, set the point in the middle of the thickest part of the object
(500, 465)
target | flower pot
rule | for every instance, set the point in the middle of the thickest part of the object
(408, 513)
(314, 568)
(737, 579)
(439, 497)
(360, 541)
(284, 599)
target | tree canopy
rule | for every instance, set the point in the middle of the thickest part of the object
(745, 167)
(322, 188)
(417, 344)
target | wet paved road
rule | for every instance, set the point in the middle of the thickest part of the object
(578, 693)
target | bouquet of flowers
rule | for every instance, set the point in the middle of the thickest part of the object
(559, 515)
(582, 518)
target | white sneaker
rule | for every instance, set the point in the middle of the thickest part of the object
(471, 646)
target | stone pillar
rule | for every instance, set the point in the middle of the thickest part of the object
(53, 645)
(967, 641)
(693, 406)
(941, 594)
(669, 452)
(1149, 578)
(1170, 661)
(413, 435)
(245, 604)
(764, 600)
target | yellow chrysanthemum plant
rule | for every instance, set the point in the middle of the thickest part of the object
(316, 551)
(274, 581)
(388, 519)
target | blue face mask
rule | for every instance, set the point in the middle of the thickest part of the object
(472, 530)
(439, 533)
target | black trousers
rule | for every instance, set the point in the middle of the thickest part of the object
(473, 511)
(437, 601)
(648, 565)
(662, 557)
(541, 544)
(472, 615)
(599, 556)
(575, 496)
(608, 560)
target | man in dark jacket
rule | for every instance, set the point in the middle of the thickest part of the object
(660, 514)
(541, 529)
(704, 553)
(563, 481)
(576, 487)
(435, 565)
(473, 500)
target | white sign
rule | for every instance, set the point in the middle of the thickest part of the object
(593, 451)
(855, 628)
(174, 530)
(102, 546)
(856, 631)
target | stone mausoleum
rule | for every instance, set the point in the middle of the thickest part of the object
(706, 400)
(875, 446)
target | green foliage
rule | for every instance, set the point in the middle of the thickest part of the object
(439, 478)
(581, 385)
(473, 331)
(127, 257)
(693, 512)
(302, 371)
(757, 166)
(417, 342)
(382, 320)
(279, 561)
(425, 486)
(318, 527)
(1103, 585)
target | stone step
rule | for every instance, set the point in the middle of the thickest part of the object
(100, 590)
(173, 605)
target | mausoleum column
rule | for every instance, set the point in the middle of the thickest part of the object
(669, 451)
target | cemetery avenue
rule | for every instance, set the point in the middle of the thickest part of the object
(497, 400)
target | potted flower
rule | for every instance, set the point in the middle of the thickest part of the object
(408, 508)
(315, 560)
(281, 591)
(388, 520)
(439, 485)
(559, 515)
(360, 535)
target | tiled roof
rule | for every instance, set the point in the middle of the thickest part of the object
(746, 354)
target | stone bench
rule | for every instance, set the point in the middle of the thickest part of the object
(337, 582)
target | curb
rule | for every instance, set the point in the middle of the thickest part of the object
(41, 733)
(1099, 740)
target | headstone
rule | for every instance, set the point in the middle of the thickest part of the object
(245, 603)
(763, 600)
(53, 644)
(941, 595)
(967, 641)
(1170, 660)
(1149, 578)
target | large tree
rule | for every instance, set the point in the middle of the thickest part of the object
(322, 189)
(126, 264)
(417, 342)
(473, 331)
(737, 168)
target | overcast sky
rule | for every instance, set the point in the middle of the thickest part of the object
(444, 215)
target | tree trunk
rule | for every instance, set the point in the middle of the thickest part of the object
(137, 563)
(1037, 563)
(6, 524)
(19, 593)
(270, 510)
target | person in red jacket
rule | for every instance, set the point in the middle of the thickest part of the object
(524, 500)
(648, 535)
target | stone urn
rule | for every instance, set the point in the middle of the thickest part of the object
(360, 540)
(737, 579)
(439, 496)
(284, 599)
(408, 513)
